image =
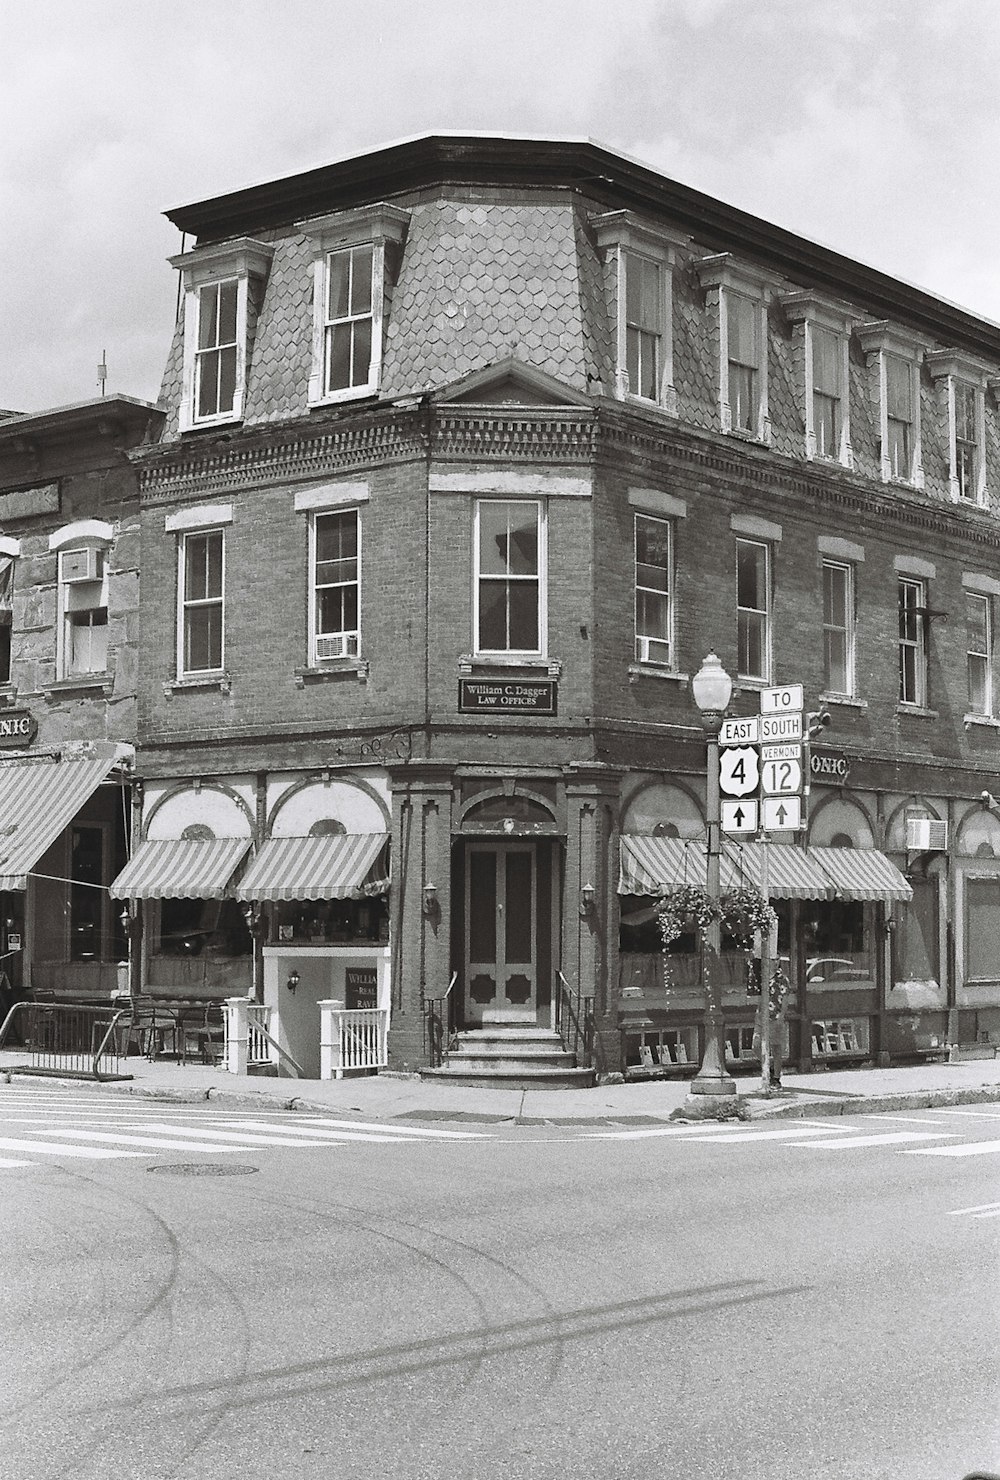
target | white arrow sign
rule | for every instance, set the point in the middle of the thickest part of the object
(739, 770)
(739, 817)
(782, 814)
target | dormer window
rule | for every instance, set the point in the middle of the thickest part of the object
(82, 601)
(222, 291)
(894, 357)
(822, 335)
(739, 294)
(961, 386)
(356, 260)
(639, 262)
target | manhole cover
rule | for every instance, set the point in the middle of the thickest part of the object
(203, 1169)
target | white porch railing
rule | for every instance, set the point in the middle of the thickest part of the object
(247, 1028)
(352, 1039)
(258, 1025)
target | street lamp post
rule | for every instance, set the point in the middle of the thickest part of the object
(712, 689)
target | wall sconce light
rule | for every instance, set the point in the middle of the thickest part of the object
(587, 895)
(293, 980)
(430, 901)
(125, 917)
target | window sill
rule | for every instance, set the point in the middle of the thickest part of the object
(750, 685)
(83, 682)
(917, 711)
(339, 398)
(210, 424)
(652, 670)
(980, 721)
(843, 701)
(220, 681)
(470, 663)
(337, 668)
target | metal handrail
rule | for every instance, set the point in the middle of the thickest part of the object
(437, 1023)
(575, 1022)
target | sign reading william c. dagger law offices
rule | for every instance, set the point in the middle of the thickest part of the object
(17, 728)
(506, 696)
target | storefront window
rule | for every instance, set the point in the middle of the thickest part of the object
(208, 928)
(982, 906)
(332, 921)
(837, 944)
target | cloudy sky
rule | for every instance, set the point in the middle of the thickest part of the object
(869, 125)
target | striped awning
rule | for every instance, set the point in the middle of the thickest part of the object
(38, 798)
(333, 866)
(650, 865)
(180, 868)
(862, 873)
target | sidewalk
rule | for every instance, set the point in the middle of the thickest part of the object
(390, 1096)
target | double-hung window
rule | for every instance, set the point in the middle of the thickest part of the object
(744, 363)
(979, 652)
(81, 551)
(223, 286)
(218, 342)
(738, 294)
(961, 385)
(653, 590)
(822, 330)
(509, 576)
(899, 416)
(356, 258)
(838, 628)
(348, 331)
(643, 325)
(336, 585)
(201, 614)
(827, 390)
(912, 597)
(639, 259)
(753, 609)
(894, 358)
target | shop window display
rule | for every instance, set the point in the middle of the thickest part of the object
(331, 921)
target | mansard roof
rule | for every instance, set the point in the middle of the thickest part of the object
(607, 178)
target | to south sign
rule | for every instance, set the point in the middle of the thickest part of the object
(17, 728)
(506, 696)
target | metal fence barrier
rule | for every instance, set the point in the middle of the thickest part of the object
(68, 1039)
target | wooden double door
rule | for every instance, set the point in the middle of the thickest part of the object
(508, 933)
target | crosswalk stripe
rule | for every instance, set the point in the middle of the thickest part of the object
(343, 1131)
(973, 1148)
(160, 1143)
(10, 1161)
(56, 1148)
(397, 1130)
(247, 1140)
(788, 1134)
(972, 1114)
(978, 1208)
(891, 1138)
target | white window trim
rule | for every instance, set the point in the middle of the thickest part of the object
(202, 268)
(807, 312)
(768, 610)
(670, 663)
(987, 599)
(317, 513)
(949, 368)
(182, 604)
(877, 341)
(543, 584)
(721, 276)
(376, 224)
(330, 496)
(830, 562)
(618, 233)
(83, 534)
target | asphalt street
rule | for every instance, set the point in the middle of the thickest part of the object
(193, 1291)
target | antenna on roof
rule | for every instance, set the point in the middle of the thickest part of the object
(102, 370)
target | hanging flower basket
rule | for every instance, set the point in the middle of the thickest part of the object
(682, 909)
(743, 912)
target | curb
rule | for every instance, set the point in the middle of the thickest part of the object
(872, 1104)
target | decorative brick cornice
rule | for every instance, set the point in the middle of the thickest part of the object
(527, 436)
(287, 455)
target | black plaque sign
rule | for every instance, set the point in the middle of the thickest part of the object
(17, 728)
(506, 696)
(361, 984)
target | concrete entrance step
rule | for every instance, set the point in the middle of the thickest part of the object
(520, 1077)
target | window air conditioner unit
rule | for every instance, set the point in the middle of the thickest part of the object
(926, 835)
(80, 565)
(339, 645)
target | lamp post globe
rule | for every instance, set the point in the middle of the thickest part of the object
(712, 689)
